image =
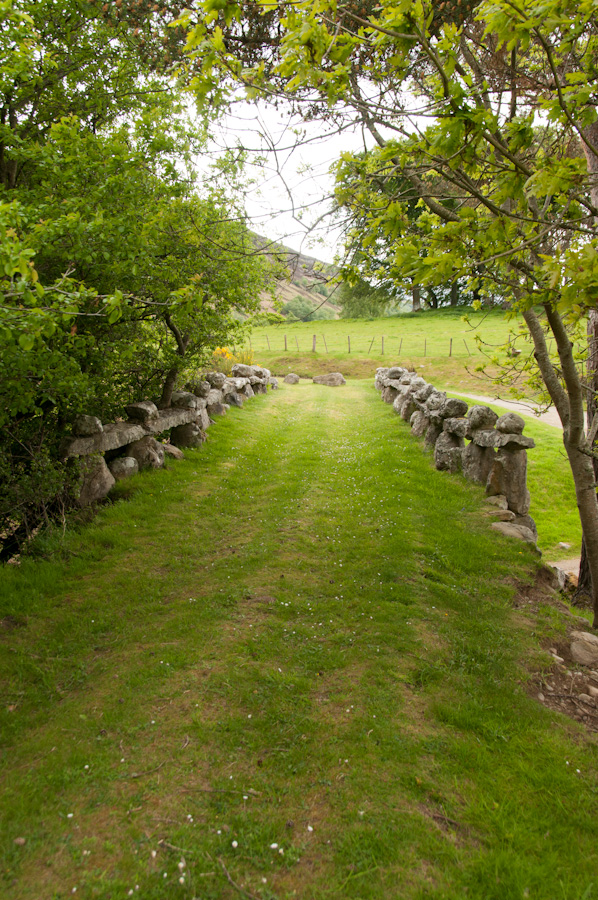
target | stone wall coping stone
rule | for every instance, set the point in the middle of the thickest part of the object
(119, 434)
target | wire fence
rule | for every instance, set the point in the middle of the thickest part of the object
(375, 346)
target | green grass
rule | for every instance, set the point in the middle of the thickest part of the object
(438, 340)
(301, 635)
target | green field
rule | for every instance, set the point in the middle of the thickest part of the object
(297, 664)
(438, 342)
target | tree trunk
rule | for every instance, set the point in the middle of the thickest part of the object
(568, 401)
(416, 294)
(584, 586)
(169, 383)
(454, 293)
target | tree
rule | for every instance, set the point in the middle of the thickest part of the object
(118, 270)
(360, 300)
(500, 147)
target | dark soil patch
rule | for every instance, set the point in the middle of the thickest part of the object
(560, 685)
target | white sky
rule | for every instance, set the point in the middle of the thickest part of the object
(289, 201)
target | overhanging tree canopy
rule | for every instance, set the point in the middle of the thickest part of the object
(488, 113)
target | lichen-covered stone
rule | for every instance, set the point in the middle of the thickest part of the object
(216, 379)
(584, 648)
(85, 426)
(508, 477)
(481, 417)
(148, 452)
(332, 379)
(144, 411)
(189, 435)
(291, 378)
(510, 423)
(419, 423)
(477, 463)
(184, 400)
(510, 529)
(123, 467)
(97, 480)
(452, 409)
(447, 452)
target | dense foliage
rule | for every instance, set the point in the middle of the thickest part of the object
(119, 270)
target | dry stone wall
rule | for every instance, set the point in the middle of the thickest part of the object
(120, 449)
(484, 447)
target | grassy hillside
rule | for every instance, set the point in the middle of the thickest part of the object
(422, 340)
(296, 664)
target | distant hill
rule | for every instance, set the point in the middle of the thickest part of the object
(308, 277)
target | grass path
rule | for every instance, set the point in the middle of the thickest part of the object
(289, 666)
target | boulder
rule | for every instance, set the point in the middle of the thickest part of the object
(510, 423)
(148, 452)
(389, 394)
(273, 382)
(511, 529)
(247, 391)
(144, 411)
(216, 379)
(447, 452)
(527, 522)
(508, 476)
(481, 417)
(173, 452)
(234, 399)
(501, 515)
(584, 648)
(424, 392)
(460, 427)
(203, 419)
(97, 480)
(199, 388)
(123, 467)
(498, 500)
(393, 371)
(452, 408)
(85, 426)
(432, 434)
(477, 463)
(189, 435)
(419, 423)
(216, 409)
(184, 400)
(215, 396)
(332, 379)
(404, 406)
(510, 442)
(240, 370)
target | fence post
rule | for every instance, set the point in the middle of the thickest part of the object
(451, 347)
(382, 345)
(313, 349)
(425, 345)
(400, 346)
(268, 340)
(466, 347)
(325, 344)
(285, 343)
(371, 342)
(349, 342)
(297, 342)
